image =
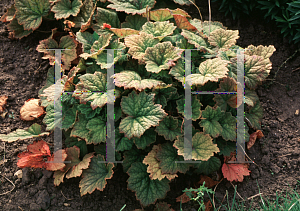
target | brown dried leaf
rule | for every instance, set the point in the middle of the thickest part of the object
(253, 137)
(31, 110)
(185, 198)
(209, 182)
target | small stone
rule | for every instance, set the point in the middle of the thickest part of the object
(67, 205)
(35, 207)
(18, 173)
(297, 112)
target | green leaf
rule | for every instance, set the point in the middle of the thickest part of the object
(88, 111)
(66, 8)
(49, 82)
(118, 54)
(95, 176)
(79, 130)
(210, 70)
(106, 16)
(202, 146)
(85, 14)
(169, 128)
(87, 40)
(250, 97)
(71, 141)
(138, 44)
(178, 71)
(17, 29)
(131, 79)
(68, 117)
(210, 121)
(101, 149)
(134, 22)
(153, 166)
(255, 115)
(66, 42)
(122, 143)
(226, 147)
(196, 107)
(167, 155)
(131, 156)
(223, 38)
(20, 134)
(146, 139)
(194, 39)
(97, 47)
(163, 94)
(161, 57)
(147, 190)
(208, 167)
(97, 128)
(159, 29)
(143, 114)
(213, 26)
(129, 6)
(228, 123)
(222, 100)
(255, 69)
(92, 88)
(184, 2)
(29, 12)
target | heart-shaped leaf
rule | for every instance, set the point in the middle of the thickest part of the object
(95, 176)
(138, 44)
(131, 7)
(160, 57)
(30, 12)
(66, 8)
(131, 79)
(143, 114)
(210, 70)
(202, 146)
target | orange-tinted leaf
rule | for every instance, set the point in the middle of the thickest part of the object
(2, 102)
(34, 156)
(185, 198)
(209, 182)
(208, 206)
(234, 172)
(253, 137)
(56, 164)
(183, 23)
(125, 32)
(31, 110)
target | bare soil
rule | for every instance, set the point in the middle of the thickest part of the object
(23, 73)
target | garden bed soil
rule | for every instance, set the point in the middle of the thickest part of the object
(23, 73)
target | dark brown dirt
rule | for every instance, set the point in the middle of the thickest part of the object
(22, 74)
